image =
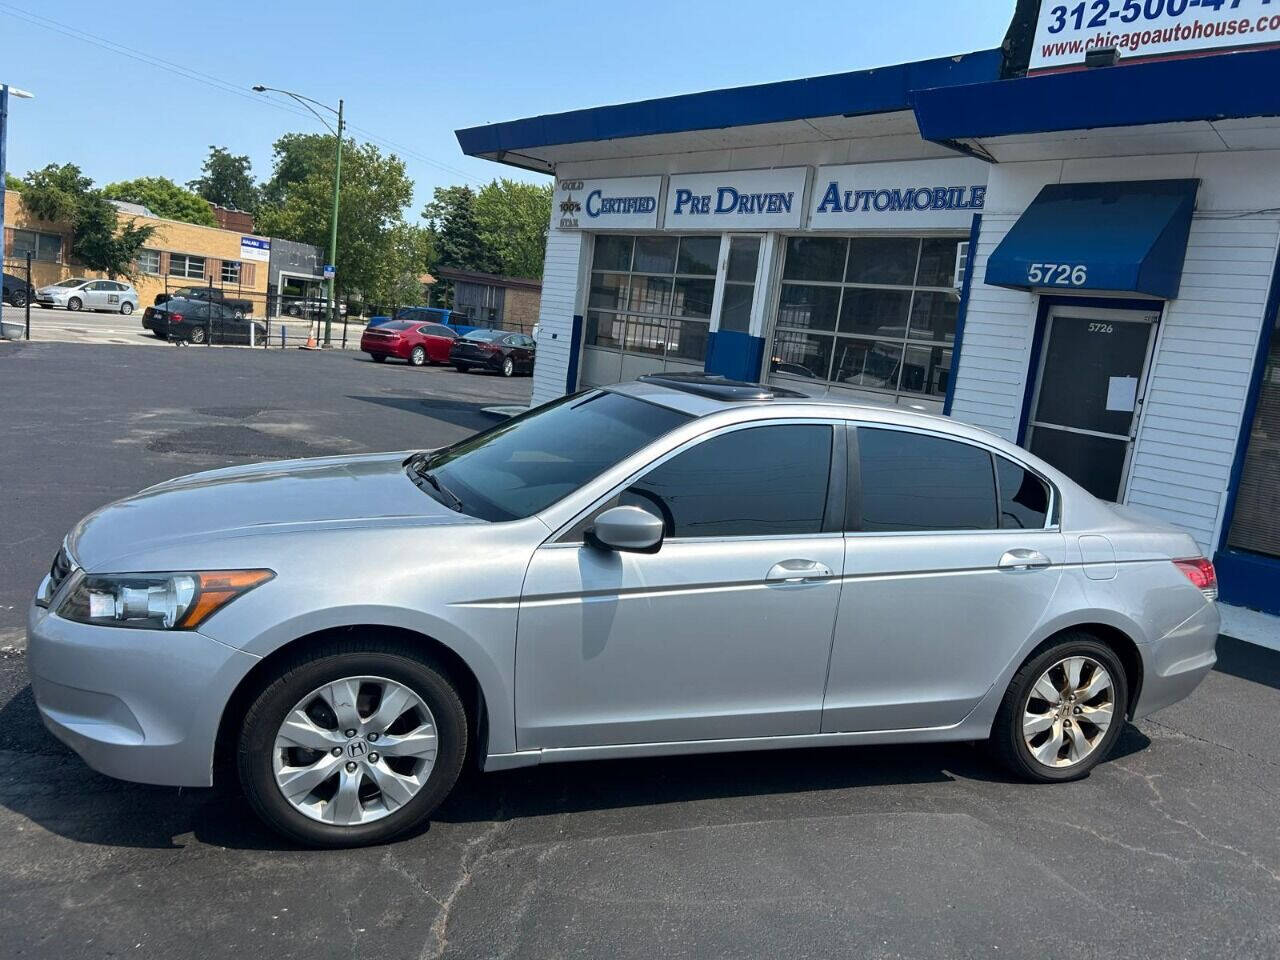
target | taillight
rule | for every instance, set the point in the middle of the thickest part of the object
(1200, 572)
(175, 318)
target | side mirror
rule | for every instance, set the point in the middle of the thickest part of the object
(628, 530)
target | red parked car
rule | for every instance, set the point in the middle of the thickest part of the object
(419, 343)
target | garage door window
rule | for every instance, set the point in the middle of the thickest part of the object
(652, 295)
(875, 313)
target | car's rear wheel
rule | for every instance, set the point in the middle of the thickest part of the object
(508, 367)
(196, 335)
(74, 304)
(461, 367)
(418, 356)
(1064, 710)
(126, 308)
(18, 299)
(379, 357)
(352, 746)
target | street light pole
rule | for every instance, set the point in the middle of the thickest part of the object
(5, 90)
(330, 314)
(332, 307)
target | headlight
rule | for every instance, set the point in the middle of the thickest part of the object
(156, 601)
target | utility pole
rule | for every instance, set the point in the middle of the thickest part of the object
(5, 90)
(330, 314)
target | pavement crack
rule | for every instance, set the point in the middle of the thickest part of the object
(392, 863)
(1183, 735)
(478, 848)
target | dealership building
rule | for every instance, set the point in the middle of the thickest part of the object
(1070, 241)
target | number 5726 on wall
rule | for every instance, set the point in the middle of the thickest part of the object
(1057, 274)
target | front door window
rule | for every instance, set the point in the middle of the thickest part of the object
(1085, 413)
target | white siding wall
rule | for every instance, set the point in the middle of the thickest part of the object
(1207, 341)
(560, 273)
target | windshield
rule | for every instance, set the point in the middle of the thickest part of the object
(526, 464)
(74, 282)
(483, 335)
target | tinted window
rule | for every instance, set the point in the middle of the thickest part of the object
(483, 335)
(395, 325)
(1024, 497)
(915, 482)
(438, 330)
(529, 462)
(755, 482)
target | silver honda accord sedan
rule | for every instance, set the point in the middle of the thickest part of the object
(669, 566)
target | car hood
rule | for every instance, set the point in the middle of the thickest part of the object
(257, 500)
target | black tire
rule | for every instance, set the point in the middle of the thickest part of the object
(18, 299)
(508, 368)
(196, 335)
(461, 367)
(126, 308)
(74, 304)
(159, 335)
(332, 662)
(1007, 742)
(379, 357)
(418, 356)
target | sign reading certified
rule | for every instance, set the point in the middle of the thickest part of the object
(625, 203)
(920, 194)
(1067, 31)
(746, 200)
(255, 248)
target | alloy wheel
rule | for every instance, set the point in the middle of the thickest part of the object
(1068, 711)
(355, 750)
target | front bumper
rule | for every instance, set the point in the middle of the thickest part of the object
(1175, 664)
(140, 705)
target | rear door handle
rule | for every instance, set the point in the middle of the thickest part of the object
(798, 571)
(1021, 559)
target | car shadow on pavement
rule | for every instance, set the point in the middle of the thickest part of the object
(1248, 661)
(54, 790)
(470, 416)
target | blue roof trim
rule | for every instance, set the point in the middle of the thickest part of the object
(881, 90)
(1169, 91)
(1127, 237)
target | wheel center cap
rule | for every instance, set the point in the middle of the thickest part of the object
(357, 749)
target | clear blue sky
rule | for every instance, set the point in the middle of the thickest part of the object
(414, 72)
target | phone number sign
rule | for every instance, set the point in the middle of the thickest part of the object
(1068, 29)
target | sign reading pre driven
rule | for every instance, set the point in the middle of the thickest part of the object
(741, 200)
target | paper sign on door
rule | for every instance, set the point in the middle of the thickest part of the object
(1122, 394)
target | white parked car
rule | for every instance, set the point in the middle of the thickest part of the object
(79, 293)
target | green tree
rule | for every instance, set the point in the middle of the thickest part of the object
(297, 204)
(60, 193)
(454, 225)
(55, 193)
(164, 198)
(100, 242)
(513, 218)
(227, 180)
(11, 182)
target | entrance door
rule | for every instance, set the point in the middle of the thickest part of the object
(1093, 372)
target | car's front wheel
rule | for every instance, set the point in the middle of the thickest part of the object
(1064, 710)
(352, 746)
(74, 304)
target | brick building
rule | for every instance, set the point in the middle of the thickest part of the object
(511, 303)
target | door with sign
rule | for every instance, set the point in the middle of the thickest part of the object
(1089, 392)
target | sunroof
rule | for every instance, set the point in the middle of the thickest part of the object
(719, 388)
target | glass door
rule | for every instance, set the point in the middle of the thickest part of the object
(1084, 415)
(736, 281)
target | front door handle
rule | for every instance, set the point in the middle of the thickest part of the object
(798, 571)
(1021, 559)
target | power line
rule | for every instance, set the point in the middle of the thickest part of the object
(209, 80)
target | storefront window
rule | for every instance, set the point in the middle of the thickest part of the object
(1255, 525)
(652, 295)
(875, 313)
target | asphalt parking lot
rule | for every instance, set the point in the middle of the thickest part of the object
(1171, 849)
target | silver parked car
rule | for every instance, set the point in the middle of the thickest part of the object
(81, 294)
(669, 566)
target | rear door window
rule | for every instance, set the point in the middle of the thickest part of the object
(1024, 497)
(920, 482)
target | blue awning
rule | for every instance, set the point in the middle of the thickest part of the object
(1128, 237)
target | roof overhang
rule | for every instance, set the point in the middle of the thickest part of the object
(1201, 104)
(863, 103)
